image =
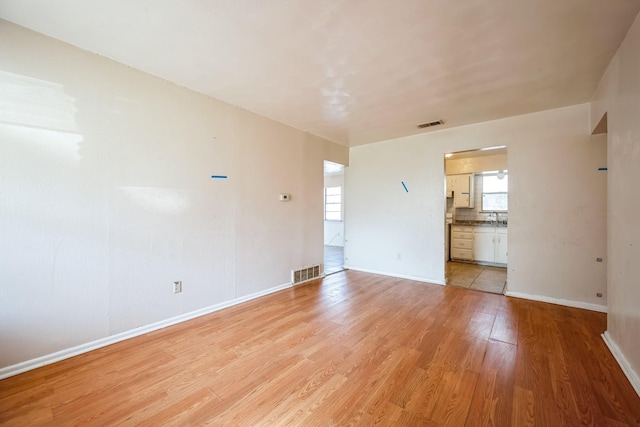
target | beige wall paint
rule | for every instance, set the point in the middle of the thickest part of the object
(476, 164)
(107, 198)
(619, 96)
(557, 204)
(332, 152)
(603, 96)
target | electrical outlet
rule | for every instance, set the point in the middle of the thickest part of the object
(177, 287)
(400, 255)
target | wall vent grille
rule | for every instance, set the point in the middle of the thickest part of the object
(428, 125)
(305, 274)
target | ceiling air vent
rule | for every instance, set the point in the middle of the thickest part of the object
(428, 125)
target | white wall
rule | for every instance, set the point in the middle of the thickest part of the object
(619, 96)
(557, 204)
(334, 230)
(106, 198)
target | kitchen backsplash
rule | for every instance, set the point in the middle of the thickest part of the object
(475, 214)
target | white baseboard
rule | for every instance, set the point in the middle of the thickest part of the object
(399, 276)
(630, 373)
(559, 301)
(48, 359)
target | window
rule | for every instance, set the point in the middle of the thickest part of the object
(495, 191)
(333, 203)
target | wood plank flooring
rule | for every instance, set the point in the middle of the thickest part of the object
(353, 349)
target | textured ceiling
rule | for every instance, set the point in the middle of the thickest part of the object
(354, 71)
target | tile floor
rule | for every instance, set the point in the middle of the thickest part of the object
(333, 259)
(478, 277)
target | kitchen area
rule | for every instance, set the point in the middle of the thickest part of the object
(476, 251)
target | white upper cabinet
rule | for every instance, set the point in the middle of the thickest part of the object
(450, 180)
(462, 186)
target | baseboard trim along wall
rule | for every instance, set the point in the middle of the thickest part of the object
(559, 301)
(399, 276)
(48, 359)
(631, 375)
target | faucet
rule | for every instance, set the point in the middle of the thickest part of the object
(496, 213)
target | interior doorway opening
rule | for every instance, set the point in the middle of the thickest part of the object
(333, 217)
(476, 219)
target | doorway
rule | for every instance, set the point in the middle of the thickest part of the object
(476, 219)
(333, 217)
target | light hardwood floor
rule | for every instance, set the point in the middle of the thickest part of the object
(354, 349)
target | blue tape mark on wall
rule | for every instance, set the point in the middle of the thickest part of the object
(602, 169)
(219, 176)
(405, 187)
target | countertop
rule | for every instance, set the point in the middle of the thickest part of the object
(481, 223)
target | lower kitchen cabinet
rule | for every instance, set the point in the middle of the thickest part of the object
(479, 243)
(501, 246)
(484, 244)
(462, 242)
